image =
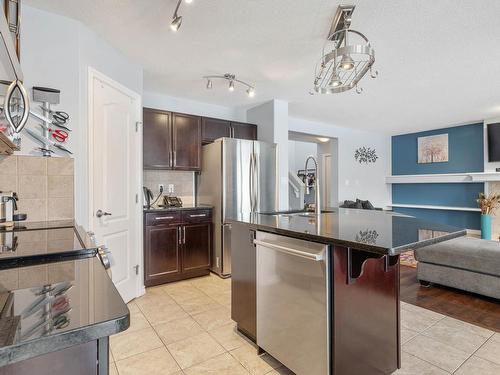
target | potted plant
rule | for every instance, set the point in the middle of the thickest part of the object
(488, 205)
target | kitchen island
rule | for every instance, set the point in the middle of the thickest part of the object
(58, 306)
(358, 299)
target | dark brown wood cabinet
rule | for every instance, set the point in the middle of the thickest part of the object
(244, 131)
(186, 142)
(177, 245)
(157, 145)
(171, 140)
(244, 279)
(194, 252)
(213, 128)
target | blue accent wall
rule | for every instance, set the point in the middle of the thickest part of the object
(466, 155)
(459, 219)
(454, 195)
(465, 150)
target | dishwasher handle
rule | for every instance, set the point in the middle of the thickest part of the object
(320, 256)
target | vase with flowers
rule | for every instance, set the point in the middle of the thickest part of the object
(488, 205)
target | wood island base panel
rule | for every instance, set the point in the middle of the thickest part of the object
(362, 277)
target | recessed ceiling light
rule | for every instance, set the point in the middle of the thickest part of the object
(188, 1)
(323, 140)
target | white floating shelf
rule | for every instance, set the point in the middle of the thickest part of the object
(431, 207)
(443, 178)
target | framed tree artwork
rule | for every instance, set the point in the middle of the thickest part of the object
(433, 149)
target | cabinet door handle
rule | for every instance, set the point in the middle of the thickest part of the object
(184, 235)
(198, 215)
(175, 158)
(179, 234)
(164, 218)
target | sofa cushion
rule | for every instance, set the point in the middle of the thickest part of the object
(467, 253)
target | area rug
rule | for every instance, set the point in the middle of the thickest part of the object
(408, 259)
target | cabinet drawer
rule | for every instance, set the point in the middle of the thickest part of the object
(163, 218)
(197, 216)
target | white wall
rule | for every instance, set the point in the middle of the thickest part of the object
(56, 52)
(298, 152)
(182, 105)
(272, 126)
(364, 181)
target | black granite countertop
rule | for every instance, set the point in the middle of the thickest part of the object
(42, 242)
(185, 207)
(49, 307)
(382, 232)
(54, 291)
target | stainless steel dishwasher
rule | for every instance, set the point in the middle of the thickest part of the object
(293, 302)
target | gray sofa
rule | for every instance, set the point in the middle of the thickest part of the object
(464, 263)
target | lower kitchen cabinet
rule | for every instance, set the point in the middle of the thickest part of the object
(162, 257)
(244, 279)
(177, 245)
(198, 238)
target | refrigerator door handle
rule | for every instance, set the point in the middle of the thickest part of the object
(257, 182)
(250, 179)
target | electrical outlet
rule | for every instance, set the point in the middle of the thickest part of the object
(171, 188)
(161, 187)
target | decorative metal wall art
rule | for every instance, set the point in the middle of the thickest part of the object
(367, 236)
(365, 155)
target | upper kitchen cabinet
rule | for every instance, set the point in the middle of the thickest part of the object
(186, 142)
(244, 131)
(171, 140)
(157, 144)
(213, 128)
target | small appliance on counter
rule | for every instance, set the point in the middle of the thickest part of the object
(148, 196)
(171, 201)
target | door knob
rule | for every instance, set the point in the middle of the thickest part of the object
(100, 213)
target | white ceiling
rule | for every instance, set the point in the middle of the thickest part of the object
(439, 60)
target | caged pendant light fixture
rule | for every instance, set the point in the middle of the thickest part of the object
(346, 57)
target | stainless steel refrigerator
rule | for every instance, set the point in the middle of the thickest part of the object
(239, 177)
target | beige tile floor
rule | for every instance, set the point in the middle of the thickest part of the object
(185, 328)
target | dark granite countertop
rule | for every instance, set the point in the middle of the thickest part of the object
(49, 307)
(42, 242)
(54, 291)
(184, 207)
(382, 232)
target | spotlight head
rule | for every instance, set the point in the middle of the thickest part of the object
(176, 23)
(231, 86)
(251, 92)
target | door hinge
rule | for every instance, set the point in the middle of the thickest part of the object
(137, 126)
(136, 269)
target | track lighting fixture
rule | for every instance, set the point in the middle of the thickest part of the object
(231, 78)
(176, 19)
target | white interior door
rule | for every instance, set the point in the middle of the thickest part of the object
(115, 178)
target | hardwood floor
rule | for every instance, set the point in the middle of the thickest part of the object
(468, 307)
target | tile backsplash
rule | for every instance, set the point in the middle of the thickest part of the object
(183, 183)
(45, 186)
